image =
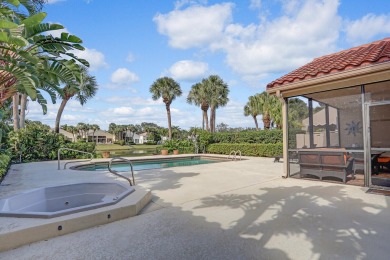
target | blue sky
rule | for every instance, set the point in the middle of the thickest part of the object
(248, 43)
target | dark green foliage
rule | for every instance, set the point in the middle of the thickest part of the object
(5, 160)
(120, 142)
(259, 137)
(85, 147)
(260, 150)
(37, 142)
(184, 146)
(150, 142)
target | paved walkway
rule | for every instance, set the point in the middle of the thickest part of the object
(229, 210)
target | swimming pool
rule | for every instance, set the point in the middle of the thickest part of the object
(149, 164)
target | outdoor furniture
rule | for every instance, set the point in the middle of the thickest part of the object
(384, 162)
(326, 164)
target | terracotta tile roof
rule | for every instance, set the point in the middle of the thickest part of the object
(367, 54)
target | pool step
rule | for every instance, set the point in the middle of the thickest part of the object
(16, 232)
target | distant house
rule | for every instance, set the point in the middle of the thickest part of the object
(101, 137)
(140, 138)
(69, 136)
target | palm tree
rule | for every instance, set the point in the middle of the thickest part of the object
(265, 106)
(168, 89)
(276, 112)
(219, 92)
(252, 108)
(82, 90)
(199, 96)
(94, 128)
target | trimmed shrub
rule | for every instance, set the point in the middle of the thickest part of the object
(260, 137)
(5, 161)
(259, 150)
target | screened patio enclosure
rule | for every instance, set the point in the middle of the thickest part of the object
(336, 122)
(336, 117)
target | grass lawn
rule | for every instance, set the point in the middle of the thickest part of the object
(113, 147)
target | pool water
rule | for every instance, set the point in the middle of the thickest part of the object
(149, 164)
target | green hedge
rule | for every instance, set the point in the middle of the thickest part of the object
(85, 147)
(259, 137)
(259, 150)
(5, 160)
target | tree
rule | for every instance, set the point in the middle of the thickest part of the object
(219, 92)
(31, 58)
(265, 103)
(276, 112)
(252, 108)
(199, 95)
(94, 128)
(82, 89)
(167, 89)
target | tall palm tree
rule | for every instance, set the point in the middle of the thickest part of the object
(94, 128)
(219, 92)
(276, 112)
(82, 90)
(252, 108)
(199, 95)
(168, 89)
(265, 107)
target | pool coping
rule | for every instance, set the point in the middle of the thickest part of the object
(150, 159)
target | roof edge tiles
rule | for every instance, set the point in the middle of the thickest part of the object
(356, 57)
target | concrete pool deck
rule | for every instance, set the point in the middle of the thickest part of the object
(227, 210)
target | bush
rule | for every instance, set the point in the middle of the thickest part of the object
(85, 147)
(259, 150)
(37, 142)
(150, 142)
(5, 160)
(183, 146)
(260, 137)
(120, 142)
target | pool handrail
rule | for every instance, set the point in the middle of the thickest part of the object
(120, 175)
(234, 153)
(64, 148)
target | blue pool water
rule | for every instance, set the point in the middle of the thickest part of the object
(149, 164)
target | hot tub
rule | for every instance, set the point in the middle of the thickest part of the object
(49, 202)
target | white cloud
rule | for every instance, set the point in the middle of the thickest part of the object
(95, 58)
(364, 29)
(307, 29)
(188, 70)
(195, 26)
(122, 78)
(284, 43)
(135, 101)
(119, 111)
